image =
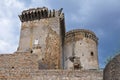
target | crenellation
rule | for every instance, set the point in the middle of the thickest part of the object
(38, 13)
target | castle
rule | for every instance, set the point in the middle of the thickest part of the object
(47, 51)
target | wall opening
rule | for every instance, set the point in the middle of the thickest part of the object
(31, 51)
(77, 66)
(92, 54)
(12, 68)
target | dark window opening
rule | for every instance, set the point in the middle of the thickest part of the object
(31, 51)
(92, 54)
(12, 67)
(76, 66)
(42, 59)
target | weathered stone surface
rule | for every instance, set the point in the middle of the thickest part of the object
(83, 44)
(50, 75)
(43, 46)
(112, 69)
(18, 61)
(44, 37)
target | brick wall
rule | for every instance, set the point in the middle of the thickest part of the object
(18, 61)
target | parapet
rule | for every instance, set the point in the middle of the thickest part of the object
(85, 33)
(39, 13)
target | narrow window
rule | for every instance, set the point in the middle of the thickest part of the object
(31, 51)
(92, 54)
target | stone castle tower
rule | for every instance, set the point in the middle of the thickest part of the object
(81, 46)
(43, 33)
(47, 52)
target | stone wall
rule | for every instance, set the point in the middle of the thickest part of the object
(112, 69)
(50, 75)
(18, 61)
(25, 66)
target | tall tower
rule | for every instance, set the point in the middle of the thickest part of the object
(42, 33)
(80, 50)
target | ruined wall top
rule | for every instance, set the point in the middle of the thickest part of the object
(84, 32)
(39, 13)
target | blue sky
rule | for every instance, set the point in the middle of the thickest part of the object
(100, 16)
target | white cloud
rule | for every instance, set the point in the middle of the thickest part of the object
(10, 23)
(9, 10)
(6, 47)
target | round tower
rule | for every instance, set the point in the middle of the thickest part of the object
(80, 50)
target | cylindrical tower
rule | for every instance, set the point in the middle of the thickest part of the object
(80, 50)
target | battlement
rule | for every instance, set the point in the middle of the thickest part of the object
(86, 33)
(39, 13)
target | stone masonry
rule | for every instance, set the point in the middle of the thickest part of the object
(50, 75)
(81, 44)
(41, 33)
(112, 69)
(47, 52)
